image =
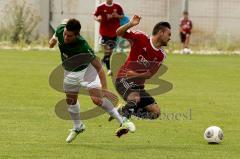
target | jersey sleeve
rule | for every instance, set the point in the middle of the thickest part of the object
(131, 35)
(97, 11)
(54, 36)
(59, 30)
(191, 25)
(120, 10)
(180, 22)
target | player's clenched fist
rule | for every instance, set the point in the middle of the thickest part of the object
(135, 20)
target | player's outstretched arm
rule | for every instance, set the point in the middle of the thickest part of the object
(53, 41)
(135, 20)
(98, 66)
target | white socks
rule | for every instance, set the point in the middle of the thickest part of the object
(108, 106)
(74, 111)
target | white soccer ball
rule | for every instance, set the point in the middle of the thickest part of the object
(213, 134)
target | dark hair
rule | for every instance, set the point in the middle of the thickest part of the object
(160, 26)
(74, 26)
(185, 12)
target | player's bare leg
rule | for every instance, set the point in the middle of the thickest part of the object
(186, 44)
(74, 111)
(148, 112)
(106, 104)
(106, 58)
(128, 109)
(132, 100)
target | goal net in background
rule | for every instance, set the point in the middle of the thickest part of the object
(152, 12)
(215, 22)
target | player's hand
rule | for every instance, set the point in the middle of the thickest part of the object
(109, 16)
(184, 32)
(115, 15)
(135, 20)
(147, 74)
(99, 18)
(52, 43)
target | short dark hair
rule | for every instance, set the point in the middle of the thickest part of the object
(160, 26)
(74, 26)
(185, 12)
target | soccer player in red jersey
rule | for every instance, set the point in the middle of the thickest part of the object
(185, 31)
(108, 14)
(144, 60)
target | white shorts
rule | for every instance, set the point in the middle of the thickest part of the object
(87, 78)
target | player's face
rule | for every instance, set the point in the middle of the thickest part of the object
(185, 16)
(109, 2)
(69, 36)
(164, 36)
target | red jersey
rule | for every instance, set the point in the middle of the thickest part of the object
(143, 56)
(186, 25)
(108, 27)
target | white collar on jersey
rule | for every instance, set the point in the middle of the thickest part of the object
(108, 4)
(153, 45)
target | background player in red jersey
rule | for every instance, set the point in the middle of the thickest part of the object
(144, 60)
(185, 32)
(108, 14)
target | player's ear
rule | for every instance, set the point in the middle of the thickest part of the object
(161, 32)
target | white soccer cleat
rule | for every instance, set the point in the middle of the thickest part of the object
(190, 51)
(126, 127)
(131, 127)
(74, 133)
(186, 51)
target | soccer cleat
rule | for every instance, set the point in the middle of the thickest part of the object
(109, 73)
(119, 111)
(121, 131)
(74, 133)
(186, 51)
(127, 126)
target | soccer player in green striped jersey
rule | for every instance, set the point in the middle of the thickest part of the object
(83, 69)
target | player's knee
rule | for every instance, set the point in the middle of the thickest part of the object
(71, 98)
(71, 101)
(97, 101)
(155, 112)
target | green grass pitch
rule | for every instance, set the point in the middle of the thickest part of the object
(208, 86)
